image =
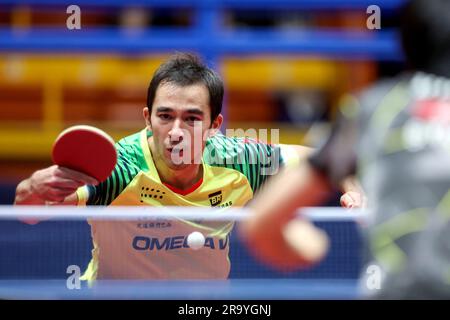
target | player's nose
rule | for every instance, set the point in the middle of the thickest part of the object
(176, 133)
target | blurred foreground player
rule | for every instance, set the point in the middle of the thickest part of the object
(396, 137)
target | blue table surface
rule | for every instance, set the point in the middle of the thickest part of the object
(258, 289)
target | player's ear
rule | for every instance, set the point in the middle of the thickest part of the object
(146, 114)
(216, 124)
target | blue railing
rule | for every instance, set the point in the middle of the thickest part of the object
(220, 4)
(207, 36)
(336, 44)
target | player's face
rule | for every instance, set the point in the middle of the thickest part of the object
(180, 121)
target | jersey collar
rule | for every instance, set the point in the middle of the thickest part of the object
(153, 172)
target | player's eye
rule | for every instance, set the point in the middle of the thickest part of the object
(164, 116)
(192, 119)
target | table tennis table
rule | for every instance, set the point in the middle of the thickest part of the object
(233, 289)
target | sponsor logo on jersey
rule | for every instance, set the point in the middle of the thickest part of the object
(215, 198)
(154, 224)
(226, 204)
(145, 243)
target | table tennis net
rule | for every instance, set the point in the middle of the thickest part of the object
(129, 237)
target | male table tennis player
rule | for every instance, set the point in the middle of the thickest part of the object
(401, 130)
(182, 92)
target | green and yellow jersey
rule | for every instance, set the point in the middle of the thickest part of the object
(233, 169)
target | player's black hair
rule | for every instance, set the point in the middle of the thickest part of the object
(425, 33)
(184, 69)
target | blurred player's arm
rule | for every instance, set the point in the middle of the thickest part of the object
(272, 229)
(353, 195)
(52, 185)
(280, 240)
(295, 153)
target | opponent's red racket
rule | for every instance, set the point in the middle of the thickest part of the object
(85, 149)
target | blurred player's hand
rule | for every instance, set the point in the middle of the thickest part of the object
(353, 199)
(298, 245)
(354, 196)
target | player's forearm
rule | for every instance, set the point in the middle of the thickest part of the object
(278, 201)
(303, 152)
(294, 155)
(273, 211)
(351, 184)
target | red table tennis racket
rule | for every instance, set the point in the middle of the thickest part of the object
(85, 149)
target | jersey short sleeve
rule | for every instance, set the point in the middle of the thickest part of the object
(256, 160)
